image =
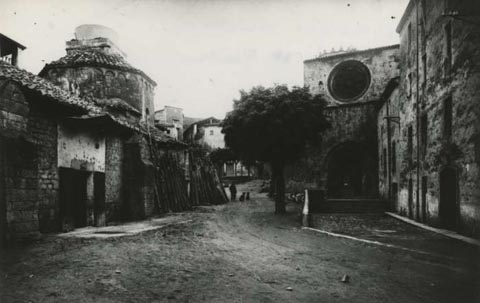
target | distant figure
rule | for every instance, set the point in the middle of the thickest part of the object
(248, 196)
(233, 192)
(242, 197)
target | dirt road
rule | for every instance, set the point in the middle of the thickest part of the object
(239, 252)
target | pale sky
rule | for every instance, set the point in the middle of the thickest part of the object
(201, 53)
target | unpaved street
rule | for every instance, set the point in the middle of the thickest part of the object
(239, 252)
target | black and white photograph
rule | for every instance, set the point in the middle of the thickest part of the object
(240, 151)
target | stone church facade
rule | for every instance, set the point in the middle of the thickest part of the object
(345, 163)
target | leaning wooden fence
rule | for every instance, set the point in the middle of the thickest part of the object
(183, 183)
(205, 185)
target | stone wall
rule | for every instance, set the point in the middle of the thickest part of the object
(44, 131)
(433, 74)
(350, 124)
(138, 179)
(382, 64)
(114, 158)
(29, 151)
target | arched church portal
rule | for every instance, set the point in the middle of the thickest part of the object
(350, 172)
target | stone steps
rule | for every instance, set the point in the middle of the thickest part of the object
(349, 206)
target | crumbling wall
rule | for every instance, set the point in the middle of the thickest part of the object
(114, 158)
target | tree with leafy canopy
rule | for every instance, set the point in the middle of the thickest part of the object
(274, 125)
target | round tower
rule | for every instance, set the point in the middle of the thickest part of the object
(94, 67)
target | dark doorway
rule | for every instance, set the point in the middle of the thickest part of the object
(448, 209)
(424, 198)
(350, 173)
(99, 193)
(410, 198)
(73, 197)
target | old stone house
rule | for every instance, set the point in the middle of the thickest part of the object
(77, 149)
(170, 120)
(429, 126)
(208, 133)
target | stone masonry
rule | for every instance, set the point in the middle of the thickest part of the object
(434, 142)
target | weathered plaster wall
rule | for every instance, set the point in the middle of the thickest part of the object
(212, 136)
(382, 64)
(80, 149)
(169, 114)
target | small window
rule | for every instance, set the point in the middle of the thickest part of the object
(394, 157)
(410, 144)
(447, 118)
(211, 132)
(424, 133)
(424, 10)
(424, 65)
(109, 78)
(409, 37)
(448, 48)
(384, 158)
(410, 86)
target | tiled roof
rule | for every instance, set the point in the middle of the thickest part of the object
(45, 87)
(116, 103)
(94, 57)
(88, 106)
(159, 136)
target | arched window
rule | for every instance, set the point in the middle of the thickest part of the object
(109, 78)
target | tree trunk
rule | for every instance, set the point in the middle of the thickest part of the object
(279, 181)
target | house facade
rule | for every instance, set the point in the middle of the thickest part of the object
(208, 133)
(429, 126)
(78, 144)
(170, 120)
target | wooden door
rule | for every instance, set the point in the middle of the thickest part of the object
(99, 203)
(448, 198)
(424, 198)
(73, 198)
